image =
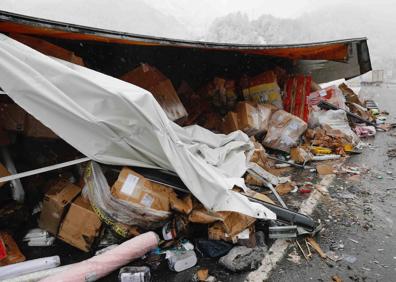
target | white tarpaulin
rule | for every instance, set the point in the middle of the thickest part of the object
(114, 122)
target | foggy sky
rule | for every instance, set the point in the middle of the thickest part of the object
(195, 16)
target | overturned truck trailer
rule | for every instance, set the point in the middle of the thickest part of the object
(117, 123)
(115, 53)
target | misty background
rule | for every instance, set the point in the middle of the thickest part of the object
(232, 21)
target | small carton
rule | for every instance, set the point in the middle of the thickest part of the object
(55, 204)
(81, 225)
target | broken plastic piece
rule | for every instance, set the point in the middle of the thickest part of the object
(282, 232)
(213, 248)
(134, 274)
(181, 260)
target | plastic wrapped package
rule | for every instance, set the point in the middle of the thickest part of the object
(295, 100)
(284, 130)
(265, 111)
(335, 119)
(330, 94)
(113, 210)
(253, 119)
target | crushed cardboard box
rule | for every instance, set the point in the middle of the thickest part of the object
(230, 123)
(349, 94)
(203, 216)
(249, 117)
(285, 188)
(300, 155)
(81, 225)
(324, 169)
(151, 79)
(217, 231)
(55, 204)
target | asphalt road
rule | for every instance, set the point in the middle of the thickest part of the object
(358, 216)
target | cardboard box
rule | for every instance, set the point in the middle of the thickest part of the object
(15, 118)
(3, 172)
(81, 225)
(14, 254)
(49, 49)
(230, 123)
(262, 88)
(134, 188)
(160, 86)
(284, 130)
(203, 216)
(34, 128)
(246, 237)
(55, 204)
(235, 222)
(182, 205)
(248, 119)
(12, 117)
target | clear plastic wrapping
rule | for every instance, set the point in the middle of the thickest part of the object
(112, 210)
(284, 131)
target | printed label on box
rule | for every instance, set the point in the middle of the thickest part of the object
(147, 200)
(129, 185)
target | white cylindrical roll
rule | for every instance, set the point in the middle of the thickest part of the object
(14, 270)
(36, 276)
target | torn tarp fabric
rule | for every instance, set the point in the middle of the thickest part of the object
(115, 122)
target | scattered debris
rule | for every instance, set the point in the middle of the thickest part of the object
(134, 273)
(350, 259)
(202, 274)
(353, 240)
(324, 169)
(294, 257)
(167, 173)
(241, 258)
(282, 232)
(336, 278)
(391, 152)
(317, 248)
